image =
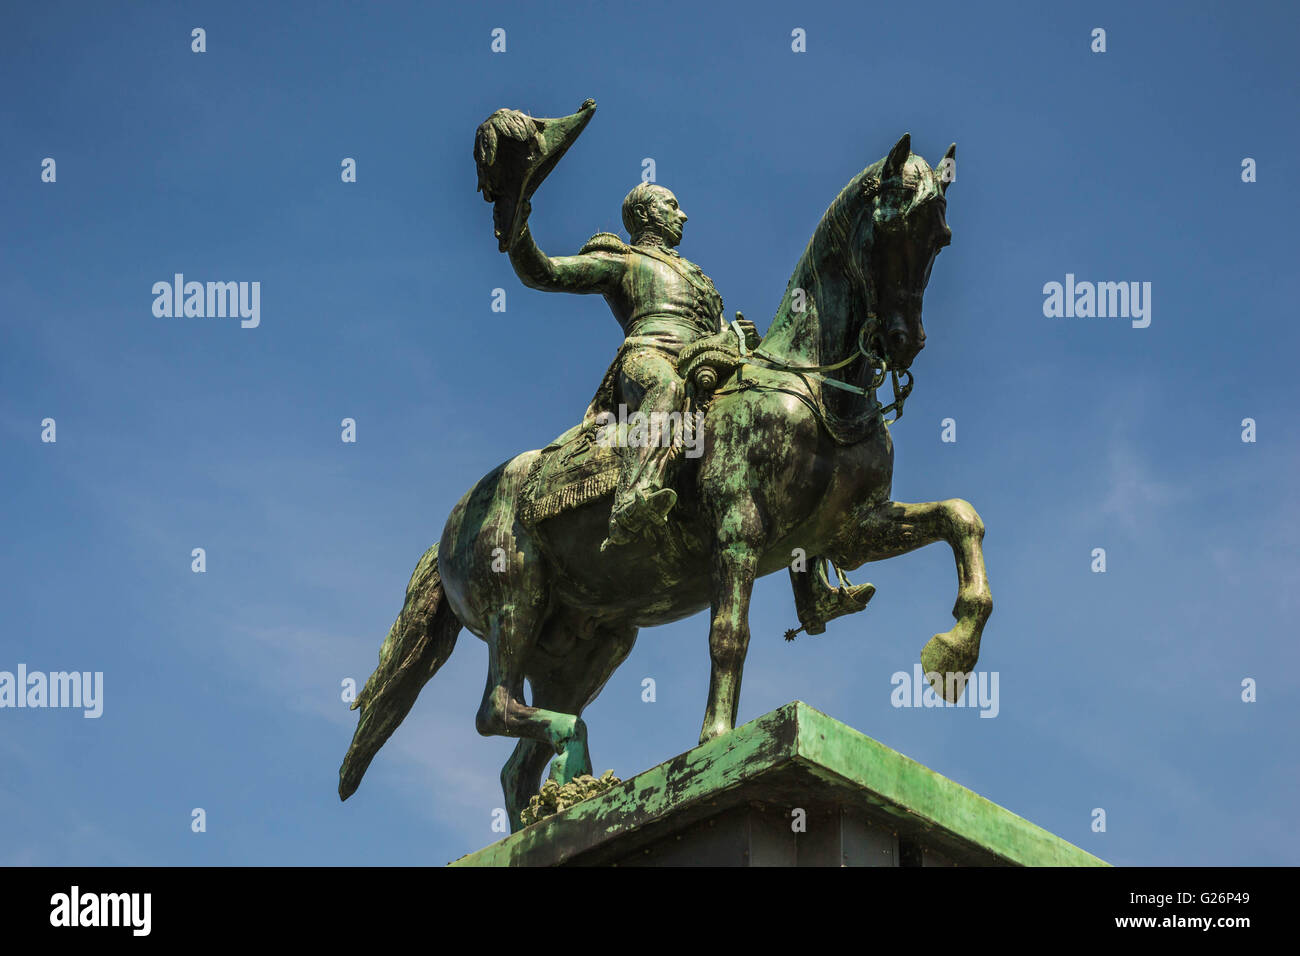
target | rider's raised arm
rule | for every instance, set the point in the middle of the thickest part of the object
(586, 273)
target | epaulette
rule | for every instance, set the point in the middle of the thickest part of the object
(604, 242)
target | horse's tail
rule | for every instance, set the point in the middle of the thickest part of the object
(419, 642)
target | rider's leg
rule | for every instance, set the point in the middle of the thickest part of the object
(650, 386)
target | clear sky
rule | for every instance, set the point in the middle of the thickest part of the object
(222, 691)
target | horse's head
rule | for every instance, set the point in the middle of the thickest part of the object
(901, 230)
(859, 284)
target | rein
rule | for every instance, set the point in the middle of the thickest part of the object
(879, 367)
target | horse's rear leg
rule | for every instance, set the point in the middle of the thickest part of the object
(565, 682)
(896, 528)
(511, 637)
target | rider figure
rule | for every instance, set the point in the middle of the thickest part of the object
(663, 303)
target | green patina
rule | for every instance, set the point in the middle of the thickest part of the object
(559, 557)
(834, 763)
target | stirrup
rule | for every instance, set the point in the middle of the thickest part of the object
(658, 504)
(634, 519)
(619, 532)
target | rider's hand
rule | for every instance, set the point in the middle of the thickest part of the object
(752, 337)
(521, 223)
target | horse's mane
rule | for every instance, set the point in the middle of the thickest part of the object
(832, 281)
(832, 274)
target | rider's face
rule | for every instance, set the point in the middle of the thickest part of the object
(665, 216)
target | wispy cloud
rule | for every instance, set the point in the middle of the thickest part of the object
(1135, 493)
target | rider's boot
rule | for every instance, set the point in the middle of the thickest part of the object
(630, 521)
(817, 601)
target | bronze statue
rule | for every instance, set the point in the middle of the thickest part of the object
(559, 556)
(663, 303)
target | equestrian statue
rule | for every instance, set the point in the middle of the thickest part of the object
(708, 457)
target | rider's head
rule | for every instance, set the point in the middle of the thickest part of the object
(652, 210)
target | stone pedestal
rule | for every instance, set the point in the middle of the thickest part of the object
(791, 788)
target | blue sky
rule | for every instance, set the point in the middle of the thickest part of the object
(222, 690)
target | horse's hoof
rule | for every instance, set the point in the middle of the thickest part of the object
(941, 657)
(713, 732)
(573, 762)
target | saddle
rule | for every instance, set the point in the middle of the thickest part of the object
(571, 471)
(707, 362)
(576, 468)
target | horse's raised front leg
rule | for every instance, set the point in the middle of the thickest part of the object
(735, 561)
(896, 528)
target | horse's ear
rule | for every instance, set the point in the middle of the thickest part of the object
(948, 168)
(898, 156)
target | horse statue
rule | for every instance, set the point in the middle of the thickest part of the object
(796, 459)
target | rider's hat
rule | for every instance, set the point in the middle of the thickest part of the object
(514, 152)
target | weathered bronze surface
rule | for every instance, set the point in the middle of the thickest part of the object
(559, 556)
(873, 805)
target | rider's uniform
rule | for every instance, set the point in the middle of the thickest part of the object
(663, 302)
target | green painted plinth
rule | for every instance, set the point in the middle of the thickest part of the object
(791, 788)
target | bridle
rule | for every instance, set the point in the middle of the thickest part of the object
(878, 364)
